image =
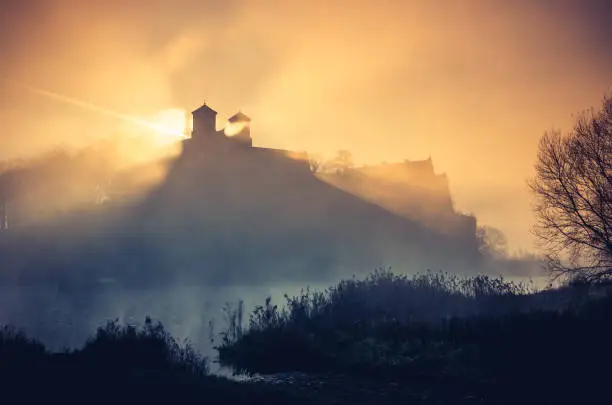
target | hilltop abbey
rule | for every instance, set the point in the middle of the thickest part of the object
(226, 163)
(410, 189)
(205, 137)
(231, 208)
(204, 130)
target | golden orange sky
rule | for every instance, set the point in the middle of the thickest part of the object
(474, 84)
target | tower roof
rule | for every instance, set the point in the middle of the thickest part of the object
(204, 108)
(239, 117)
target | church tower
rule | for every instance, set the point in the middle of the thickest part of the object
(242, 124)
(204, 123)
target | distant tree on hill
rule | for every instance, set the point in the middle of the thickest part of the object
(492, 242)
(573, 190)
(315, 163)
(341, 162)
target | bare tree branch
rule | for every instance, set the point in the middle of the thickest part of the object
(573, 190)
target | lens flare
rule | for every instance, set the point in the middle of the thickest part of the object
(162, 125)
(168, 124)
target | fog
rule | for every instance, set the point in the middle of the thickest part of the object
(65, 319)
(472, 84)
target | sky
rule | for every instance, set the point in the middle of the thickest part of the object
(473, 84)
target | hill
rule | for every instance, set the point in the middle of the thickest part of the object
(411, 189)
(225, 212)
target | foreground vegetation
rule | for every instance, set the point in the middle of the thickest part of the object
(433, 338)
(503, 340)
(120, 364)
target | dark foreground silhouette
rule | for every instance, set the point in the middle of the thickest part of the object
(442, 337)
(120, 364)
(434, 338)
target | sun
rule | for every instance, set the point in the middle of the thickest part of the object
(169, 125)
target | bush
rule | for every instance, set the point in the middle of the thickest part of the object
(119, 354)
(149, 352)
(17, 351)
(118, 364)
(434, 325)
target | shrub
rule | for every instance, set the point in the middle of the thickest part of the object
(432, 323)
(147, 351)
(17, 351)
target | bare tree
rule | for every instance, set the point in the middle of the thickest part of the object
(315, 163)
(342, 162)
(492, 242)
(573, 190)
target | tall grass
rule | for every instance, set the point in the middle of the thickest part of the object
(432, 323)
(384, 297)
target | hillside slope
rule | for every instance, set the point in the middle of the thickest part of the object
(229, 215)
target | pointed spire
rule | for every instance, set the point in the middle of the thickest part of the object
(204, 108)
(239, 117)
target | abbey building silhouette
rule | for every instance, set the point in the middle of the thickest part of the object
(410, 189)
